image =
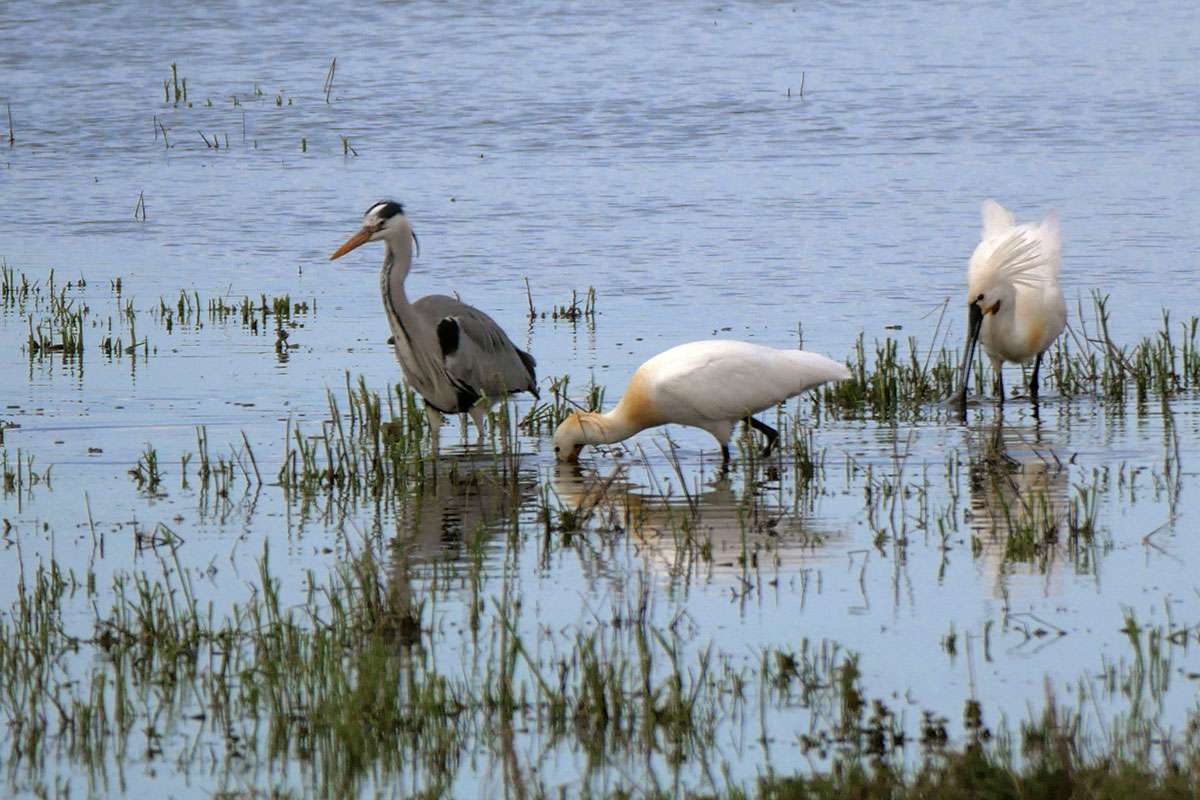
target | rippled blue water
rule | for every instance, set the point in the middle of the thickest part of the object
(665, 155)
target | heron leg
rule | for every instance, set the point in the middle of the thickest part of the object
(766, 430)
(478, 416)
(1000, 382)
(435, 424)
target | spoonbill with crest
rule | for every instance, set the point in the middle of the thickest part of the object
(1015, 306)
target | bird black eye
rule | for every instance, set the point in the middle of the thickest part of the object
(557, 448)
(977, 299)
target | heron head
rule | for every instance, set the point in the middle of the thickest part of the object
(383, 220)
(570, 437)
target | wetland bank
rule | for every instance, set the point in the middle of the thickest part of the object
(233, 568)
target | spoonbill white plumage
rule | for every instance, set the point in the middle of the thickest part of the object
(452, 354)
(710, 385)
(1014, 302)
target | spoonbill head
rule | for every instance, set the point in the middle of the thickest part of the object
(1015, 306)
(711, 385)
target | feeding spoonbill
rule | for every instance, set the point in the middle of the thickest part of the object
(710, 385)
(1014, 303)
(452, 354)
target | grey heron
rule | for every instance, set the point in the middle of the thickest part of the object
(452, 354)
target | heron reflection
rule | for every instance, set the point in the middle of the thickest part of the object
(472, 498)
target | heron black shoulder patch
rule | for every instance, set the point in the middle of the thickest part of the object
(447, 333)
(467, 397)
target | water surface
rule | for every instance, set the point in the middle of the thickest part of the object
(665, 156)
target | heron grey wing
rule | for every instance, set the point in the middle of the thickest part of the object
(476, 352)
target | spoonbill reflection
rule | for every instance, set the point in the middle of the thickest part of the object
(452, 354)
(709, 385)
(1015, 305)
(709, 530)
(1022, 519)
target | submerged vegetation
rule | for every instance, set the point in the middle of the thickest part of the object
(416, 648)
(368, 681)
(239, 564)
(894, 381)
(906, 382)
(60, 318)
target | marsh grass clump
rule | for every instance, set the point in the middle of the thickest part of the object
(578, 308)
(14, 286)
(359, 677)
(895, 383)
(146, 473)
(890, 386)
(362, 451)
(543, 418)
(19, 476)
(339, 680)
(53, 313)
(175, 88)
(808, 461)
(1032, 528)
(253, 315)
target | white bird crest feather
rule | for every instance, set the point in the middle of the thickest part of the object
(1018, 259)
(1024, 255)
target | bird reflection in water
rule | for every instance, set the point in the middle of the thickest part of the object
(472, 498)
(720, 529)
(1022, 519)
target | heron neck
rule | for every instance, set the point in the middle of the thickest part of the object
(397, 261)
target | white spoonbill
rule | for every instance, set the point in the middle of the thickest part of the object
(452, 354)
(710, 385)
(1015, 305)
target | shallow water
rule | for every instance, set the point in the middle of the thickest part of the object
(656, 155)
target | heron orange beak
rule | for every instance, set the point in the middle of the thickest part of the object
(357, 240)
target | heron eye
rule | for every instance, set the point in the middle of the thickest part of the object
(977, 299)
(557, 448)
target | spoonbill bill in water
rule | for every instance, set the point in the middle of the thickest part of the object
(710, 385)
(1015, 307)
